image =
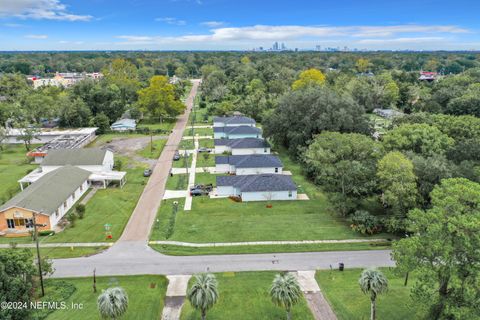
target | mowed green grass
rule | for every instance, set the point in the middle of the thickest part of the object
(144, 302)
(153, 152)
(154, 125)
(199, 131)
(342, 291)
(245, 295)
(206, 143)
(14, 165)
(205, 159)
(177, 182)
(223, 220)
(181, 163)
(198, 114)
(61, 252)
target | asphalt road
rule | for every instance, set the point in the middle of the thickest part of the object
(132, 256)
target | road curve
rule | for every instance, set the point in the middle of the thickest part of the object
(132, 256)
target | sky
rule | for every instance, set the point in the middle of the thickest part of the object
(238, 24)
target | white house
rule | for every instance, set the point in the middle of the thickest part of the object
(261, 187)
(248, 164)
(242, 146)
(99, 162)
(239, 132)
(124, 125)
(234, 121)
(49, 198)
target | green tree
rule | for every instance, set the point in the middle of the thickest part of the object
(397, 181)
(158, 99)
(285, 292)
(302, 114)
(374, 283)
(310, 77)
(27, 134)
(419, 138)
(442, 250)
(17, 270)
(102, 122)
(74, 113)
(344, 163)
(203, 294)
(362, 65)
(124, 75)
(112, 303)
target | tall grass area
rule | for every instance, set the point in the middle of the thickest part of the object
(153, 150)
(146, 295)
(342, 291)
(245, 295)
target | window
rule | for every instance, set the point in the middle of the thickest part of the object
(19, 222)
(276, 170)
(290, 193)
(65, 204)
(81, 188)
(73, 196)
(264, 150)
(29, 223)
(56, 213)
(10, 224)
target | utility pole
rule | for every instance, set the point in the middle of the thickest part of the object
(35, 231)
(94, 281)
(151, 142)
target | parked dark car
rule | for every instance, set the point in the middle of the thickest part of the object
(176, 156)
(204, 187)
(196, 192)
(204, 149)
(147, 172)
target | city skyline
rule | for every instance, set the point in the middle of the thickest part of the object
(223, 25)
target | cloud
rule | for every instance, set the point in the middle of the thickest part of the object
(401, 40)
(13, 25)
(71, 42)
(39, 9)
(171, 20)
(36, 36)
(213, 24)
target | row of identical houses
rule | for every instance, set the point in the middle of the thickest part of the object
(254, 174)
(52, 189)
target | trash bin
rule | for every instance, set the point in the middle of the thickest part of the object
(341, 266)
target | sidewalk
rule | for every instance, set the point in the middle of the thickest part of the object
(175, 296)
(259, 243)
(191, 178)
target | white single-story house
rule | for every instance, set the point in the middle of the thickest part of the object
(49, 198)
(45, 135)
(260, 187)
(234, 121)
(387, 113)
(239, 132)
(241, 146)
(248, 164)
(99, 162)
(124, 125)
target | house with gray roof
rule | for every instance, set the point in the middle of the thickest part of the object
(259, 187)
(124, 125)
(99, 162)
(234, 121)
(239, 132)
(241, 146)
(248, 164)
(49, 198)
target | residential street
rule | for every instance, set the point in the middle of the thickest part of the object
(131, 255)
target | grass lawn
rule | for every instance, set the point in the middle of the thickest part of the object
(107, 138)
(245, 295)
(189, 251)
(207, 143)
(205, 159)
(200, 116)
(222, 220)
(14, 165)
(144, 302)
(206, 178)
(177, 182)
(158, 146)
(155, 125)
(59, 253)
(199, 131)
(186, 144)
(342, 291)
(181, 163)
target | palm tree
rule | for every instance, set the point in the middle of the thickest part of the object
(204, 293)
(285, 292)
(112, 303)
(374, 282)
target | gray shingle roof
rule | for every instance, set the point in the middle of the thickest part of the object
(258, 182)
(234, 120)
(238, 130)
(250, 161)
(50, 191)
(74, 157)
(242, 143)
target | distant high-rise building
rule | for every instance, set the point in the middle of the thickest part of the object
(275, 46)
(283, 46)
(318, 48)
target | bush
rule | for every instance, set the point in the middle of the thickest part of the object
(46, 233)
(365, 223)
(72, 217)
(118, 164)
(80, 209)
(202, 104)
